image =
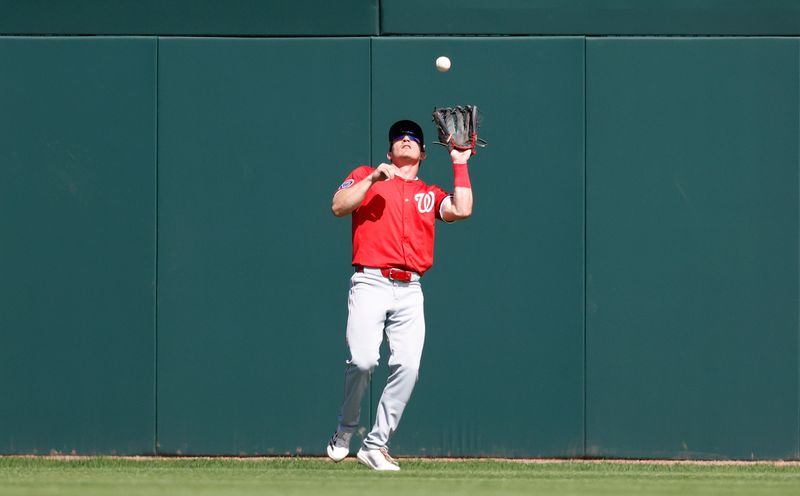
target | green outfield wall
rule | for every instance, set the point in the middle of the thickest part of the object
(172, 280)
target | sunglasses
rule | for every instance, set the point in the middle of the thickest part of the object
(404, 134)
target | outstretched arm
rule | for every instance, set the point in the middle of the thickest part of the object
(460, 207)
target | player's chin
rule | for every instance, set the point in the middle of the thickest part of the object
(411, 155)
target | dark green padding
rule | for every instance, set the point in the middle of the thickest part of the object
(692, 248)
(502, 371)
(592, 17)
(77, 255)
(255, 136)
(190, 17)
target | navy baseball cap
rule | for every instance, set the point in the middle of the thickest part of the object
(406, 128)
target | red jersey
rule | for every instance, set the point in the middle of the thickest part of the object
(394, 225)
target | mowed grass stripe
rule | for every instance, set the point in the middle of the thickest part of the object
(295, 476)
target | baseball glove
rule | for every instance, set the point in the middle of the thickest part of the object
(457, 127)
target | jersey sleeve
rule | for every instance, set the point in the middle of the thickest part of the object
(439, 196)
(355, 176)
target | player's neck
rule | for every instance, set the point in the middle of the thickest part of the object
(408, 171)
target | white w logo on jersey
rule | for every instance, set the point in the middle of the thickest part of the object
(425, 201)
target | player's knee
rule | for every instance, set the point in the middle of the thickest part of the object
(363, 364)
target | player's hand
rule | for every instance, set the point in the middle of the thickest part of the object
(384, 172)
(460, 156)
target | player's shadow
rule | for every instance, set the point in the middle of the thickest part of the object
(372, 210)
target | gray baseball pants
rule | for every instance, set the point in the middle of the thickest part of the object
(379, 306)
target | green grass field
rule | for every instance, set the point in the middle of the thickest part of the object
(295, 476)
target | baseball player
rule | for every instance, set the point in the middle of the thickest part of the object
(393, 216)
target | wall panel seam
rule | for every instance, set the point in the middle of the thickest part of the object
(155, 285)
(380, 23)
(585, 229)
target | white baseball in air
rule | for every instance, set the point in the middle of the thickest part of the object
(443, 64)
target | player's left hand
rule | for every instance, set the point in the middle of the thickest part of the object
(460, 156)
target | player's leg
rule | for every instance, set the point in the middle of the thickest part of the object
(405, 330)
(367, 306)
(368, 300)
